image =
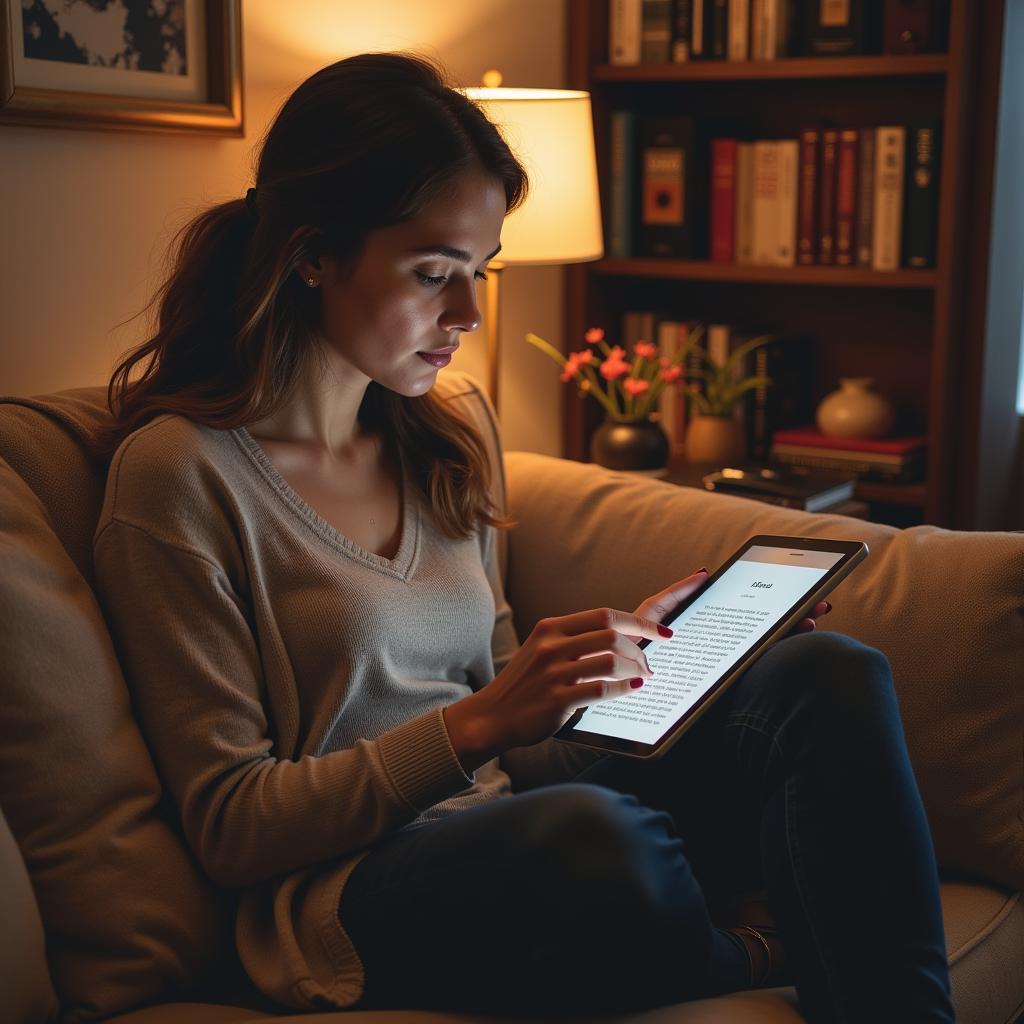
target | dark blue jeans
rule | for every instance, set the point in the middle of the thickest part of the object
(599, 895)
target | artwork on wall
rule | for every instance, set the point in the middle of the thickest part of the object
(122, 65)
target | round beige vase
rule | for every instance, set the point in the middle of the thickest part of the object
(717, 439)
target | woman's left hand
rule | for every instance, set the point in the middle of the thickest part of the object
(658, 606)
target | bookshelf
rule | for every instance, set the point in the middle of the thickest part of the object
(905, 328)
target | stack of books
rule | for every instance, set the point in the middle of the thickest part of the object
(789, 486)
(678, 31)
(894, 459)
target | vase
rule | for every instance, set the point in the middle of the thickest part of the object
(715, 439)
(855, 410)
(630, 444)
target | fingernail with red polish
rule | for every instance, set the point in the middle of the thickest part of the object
(636, 683)
(702, 569)
(828, 606)
(664, 631)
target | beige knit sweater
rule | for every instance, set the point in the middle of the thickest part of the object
(291, 684)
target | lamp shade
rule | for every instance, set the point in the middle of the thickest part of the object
(551, 132)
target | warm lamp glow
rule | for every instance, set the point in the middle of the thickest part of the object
(550, 132)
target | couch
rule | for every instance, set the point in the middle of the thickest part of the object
(105, 913)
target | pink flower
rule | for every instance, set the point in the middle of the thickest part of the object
(615, 366)
(671, 373)
(571, 367)
(584, 358)
(593, 336)
(645, 350)
(635, 387)
(664, 361)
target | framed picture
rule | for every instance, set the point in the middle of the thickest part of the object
(122, 65)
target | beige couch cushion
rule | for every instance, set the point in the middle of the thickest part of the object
(947, 608)
(128, 915)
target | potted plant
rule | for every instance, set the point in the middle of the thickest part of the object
(628, 389)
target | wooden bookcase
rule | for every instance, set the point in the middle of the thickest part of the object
(915, 331)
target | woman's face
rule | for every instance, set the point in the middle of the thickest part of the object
(396, 315)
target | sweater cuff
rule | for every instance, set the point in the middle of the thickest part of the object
(421, 761)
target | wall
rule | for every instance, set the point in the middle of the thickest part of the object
(85, 216)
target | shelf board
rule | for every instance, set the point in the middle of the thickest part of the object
(792, 67)
(892, 494)
(705, 270)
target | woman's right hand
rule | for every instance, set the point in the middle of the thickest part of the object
(567, 662)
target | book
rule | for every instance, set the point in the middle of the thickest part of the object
(667, 171)
(788, 163)
(807, 216)
(655, 31)
(789, 486)
(890, 145)
(745, 202)
(682, 31)
(915, 26)
(870, 467)
(697, 29)
(766, 202)
(717, 47)
(739, 30)
(621, 184)
(624, 31)
(846, 196)
(921, 194)
(723, 200)
(787, 361)
(778, 22)
(833, 28)
(827, 196)
(890, 446)
(865, 197)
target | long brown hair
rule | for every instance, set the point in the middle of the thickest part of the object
(362, 144)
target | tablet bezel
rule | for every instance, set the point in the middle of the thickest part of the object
(852, 552)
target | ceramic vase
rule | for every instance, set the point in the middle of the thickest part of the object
(629, 445)
(855, 410)
(715, 439)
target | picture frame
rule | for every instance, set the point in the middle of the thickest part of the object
(166, 66)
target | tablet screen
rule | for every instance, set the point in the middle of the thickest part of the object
(710, 635)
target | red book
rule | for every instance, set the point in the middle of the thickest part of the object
(814, 438)
(807, 200)
(723, 200)
(827, 196)
(846, 197)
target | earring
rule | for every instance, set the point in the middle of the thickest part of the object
(310, 282)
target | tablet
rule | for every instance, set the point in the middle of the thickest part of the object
(754, 599)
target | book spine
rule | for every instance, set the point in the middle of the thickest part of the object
(837, 27)
(846, 197)
(621, 184)
(766, 202)
(745, 203)
(624, 31)
(770, 29)
(890, 144)
(866, 197)
(757, 29)
(922, 194)
(739, 29)
(785, 360)
(655, 31)
(697, 30)
(719, 48)
(682, 31)
(807, 230)
(893, 474)
(789, 162)
(723, 200)
(827, 197)
(666, 156)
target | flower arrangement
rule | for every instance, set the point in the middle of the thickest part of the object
(632, 388)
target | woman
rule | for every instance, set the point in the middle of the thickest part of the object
(298, 554)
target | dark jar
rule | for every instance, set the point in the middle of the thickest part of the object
(629, 444)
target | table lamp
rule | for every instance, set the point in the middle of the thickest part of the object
(552, 134)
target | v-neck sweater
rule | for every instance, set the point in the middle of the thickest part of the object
(291, 684)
